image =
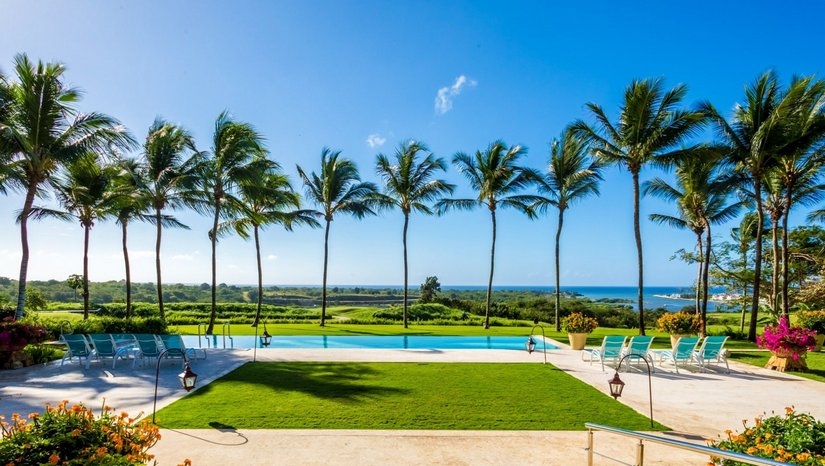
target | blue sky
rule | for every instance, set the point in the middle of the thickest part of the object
(362, 76)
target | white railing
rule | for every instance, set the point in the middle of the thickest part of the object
(678, 444)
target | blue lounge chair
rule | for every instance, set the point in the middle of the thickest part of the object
(105, 346)
(682, 353)
(149, 345)
(712, 351)
(78, 347)
(611, 350)
(639, 348)
(174, 343)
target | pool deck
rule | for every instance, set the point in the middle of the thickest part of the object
(695, 405)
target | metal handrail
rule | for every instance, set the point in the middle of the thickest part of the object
(227, 330)
(679, 444)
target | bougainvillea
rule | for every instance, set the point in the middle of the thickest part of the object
(787, 338)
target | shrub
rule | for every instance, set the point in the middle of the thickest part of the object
(813, 320)
(74, 436)
(579, 323)
(787, 338)
(796, 438)
(15, 335)
(679, 323)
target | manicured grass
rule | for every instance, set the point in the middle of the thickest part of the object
(462, 396)
(816, 362)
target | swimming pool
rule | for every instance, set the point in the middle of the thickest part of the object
(365, 342)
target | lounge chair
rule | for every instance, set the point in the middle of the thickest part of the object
(149, 345)
(106, 347)
(174, 342)
(78, 347)
(611, 350)
(682, 353)
(712, 350)
(639, 348)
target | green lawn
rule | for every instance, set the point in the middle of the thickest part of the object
(462, 396)
(816, 362)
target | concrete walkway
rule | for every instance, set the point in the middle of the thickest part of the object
(695, 405)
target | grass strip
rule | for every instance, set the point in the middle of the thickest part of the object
(454, 396)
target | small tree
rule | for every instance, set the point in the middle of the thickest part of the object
(429, 289)
(75, 282)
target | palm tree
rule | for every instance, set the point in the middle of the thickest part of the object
(237, 155)
(87, 195)
(759, 131)
(649, 129)
(409, 185)
(701, 196)
(497, 178)
(571, 176)
(337, 189)
(170, 176)
(268, 199)
(42, 131)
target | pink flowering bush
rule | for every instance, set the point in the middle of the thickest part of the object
(783, 337)
(15, 335)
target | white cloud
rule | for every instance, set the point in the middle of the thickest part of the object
(375, 140)
(183, 257)
(444, 96)
(271, 257)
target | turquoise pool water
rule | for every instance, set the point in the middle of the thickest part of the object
(364, 342)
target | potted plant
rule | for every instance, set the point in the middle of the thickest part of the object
(789, 345)
(679, 324)
(813, 320)
(577, 326)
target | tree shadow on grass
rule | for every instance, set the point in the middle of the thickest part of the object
(334, 381)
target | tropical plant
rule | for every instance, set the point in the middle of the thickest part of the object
(86, 193)
(577, 322)
(679, 323)
(16, 334)
(75, 282)
(813, 320)
(267, 199)
(42, 131)
(701, 196)
(73, 435)
(760, 130)
(338, 189)
(169, 157)
(649, 129)
(409, 185)
(571, 176)
(795, 438)
(787, 338)
(237, 156)
(497, 178)
(429, 289)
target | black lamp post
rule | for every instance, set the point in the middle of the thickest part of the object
(187, 377)
(530, 344)
(266, 338)
(617, 385)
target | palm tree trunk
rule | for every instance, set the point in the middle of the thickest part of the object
(260, 277)
(698, 297)
(757, 266)
(786, 254)
(213, 236)
(638, 233)
(558, 289)
(157, 264)
(123, 224)
(776, 253)
(24, 242)
(324, 285)
(492, 268)
(406, 270)
(86, 230)
(705, 277)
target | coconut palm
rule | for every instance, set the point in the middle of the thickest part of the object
(338, 189)
(42, 131)
(237, 156)
(409, 185)
(701, 196)
(169, 155)
(650, 128)
(86, 193)
(497, 178)
(759, 131)
(268, 199)
(571, 176)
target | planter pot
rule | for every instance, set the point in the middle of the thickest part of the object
(577, 340)
(820, 339)
(675, 338)
(782, 361)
